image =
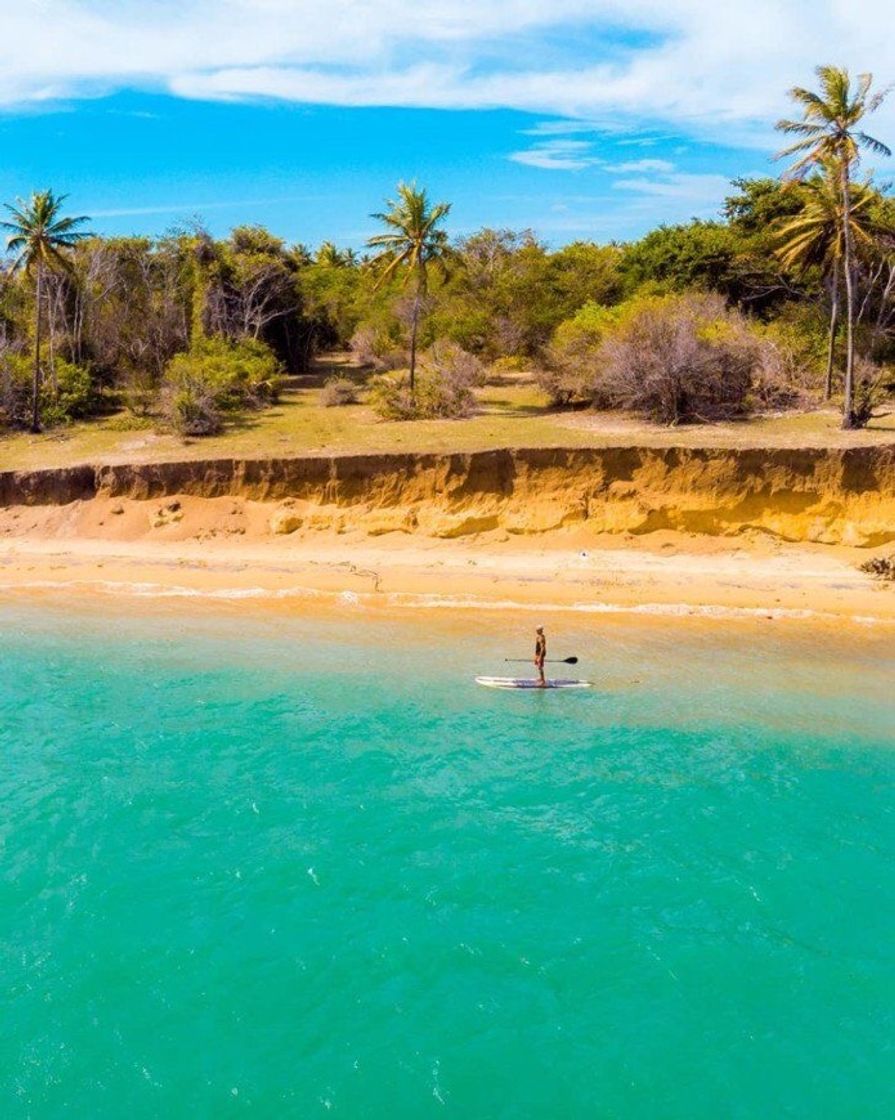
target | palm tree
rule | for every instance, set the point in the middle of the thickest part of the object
(329, 255)
(39, 235)
(413, 241)
(830, 132)
(300, 255)
(813, 237)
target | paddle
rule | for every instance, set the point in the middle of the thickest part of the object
(549, 661)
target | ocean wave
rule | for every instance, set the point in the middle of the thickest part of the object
(142, 590)
(673, 610)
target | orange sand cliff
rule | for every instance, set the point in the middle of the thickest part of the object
(816, 495)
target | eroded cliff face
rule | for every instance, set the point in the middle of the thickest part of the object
(835, 497)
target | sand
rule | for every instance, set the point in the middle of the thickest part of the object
(222, 549)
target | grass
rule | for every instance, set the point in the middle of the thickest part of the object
(513, 414)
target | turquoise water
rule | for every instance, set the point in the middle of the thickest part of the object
(296, 867)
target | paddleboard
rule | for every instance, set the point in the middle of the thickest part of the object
(527, 682)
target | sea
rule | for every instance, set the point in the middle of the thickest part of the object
(265, 862)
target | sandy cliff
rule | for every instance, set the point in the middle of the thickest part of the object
(824, 496)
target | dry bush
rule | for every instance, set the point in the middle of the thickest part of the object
(391, 399)
(190, 409)
(880, 567)
(434, 398)
(779, 379)
(376, 350)
(570, 372)
(363, 346)
(339, 391)
(451, 363)
(682, 359)
(870, 391)
(444, 384)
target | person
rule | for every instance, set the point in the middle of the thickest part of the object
(540, 655)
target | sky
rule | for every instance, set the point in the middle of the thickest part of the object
(592, 119)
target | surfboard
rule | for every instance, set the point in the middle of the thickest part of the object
(527, 682)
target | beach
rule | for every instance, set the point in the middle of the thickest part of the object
(775, 534)
(666, 574)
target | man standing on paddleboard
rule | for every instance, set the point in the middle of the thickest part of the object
(540, 655)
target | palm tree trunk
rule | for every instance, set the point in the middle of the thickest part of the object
(414, 324)
(848, 405)
(52, 304)
(35, 388)
(834, 327)
(420, 293)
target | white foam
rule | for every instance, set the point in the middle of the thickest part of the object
(659, 610)
(404, 600)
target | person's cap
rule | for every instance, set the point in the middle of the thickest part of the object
(539, 630)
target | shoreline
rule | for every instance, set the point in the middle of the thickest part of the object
(669, 576)
(629, 532)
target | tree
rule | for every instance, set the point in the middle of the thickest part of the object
(830, 133)
(39, 235)
(814, 236)
(698, 254)
(758, 205)
(413, 241)
(332, 257)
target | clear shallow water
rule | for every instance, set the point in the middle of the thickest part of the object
(288, 868)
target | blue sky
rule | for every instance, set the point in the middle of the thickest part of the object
(140, 163)
(577, 118)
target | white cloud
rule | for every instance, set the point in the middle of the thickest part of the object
(558, 155)
(642, 165)
(710, 70)
(702, 190)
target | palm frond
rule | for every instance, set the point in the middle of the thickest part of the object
(801, 128)
(412, 239)
(813, 104)
(876, 146)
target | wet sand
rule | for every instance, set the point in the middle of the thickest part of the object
(661, 574)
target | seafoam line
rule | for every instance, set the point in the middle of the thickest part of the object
(412, 601)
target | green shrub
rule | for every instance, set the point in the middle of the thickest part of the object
(391, 399)
(71, 397)
(234, 375)
(140, 393)
(338, 391)
(214, 378)
(511, 363)
(570, 371)
(436, 397)
(800, 335)
(190, 409)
